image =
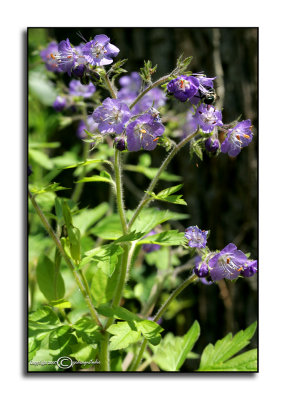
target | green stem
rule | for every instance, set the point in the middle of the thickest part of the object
(109, 87)
(119, 190)
(161, 311)
(66, 258)
(146, 198)
(104, 353)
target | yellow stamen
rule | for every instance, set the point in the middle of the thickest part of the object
(142, 131)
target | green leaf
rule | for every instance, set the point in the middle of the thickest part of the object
(61, 303)
(166, 238)
(123, 336)
(53, 187)
(109, 228)
(50, 280)
(86, 218)
(102, 287)
(173, 350)
(60, 339)
(103, 177)
(218, 357)
(151, 217)
(166, 195)
(41, 145)
(189, 340)
(88, 331)
(150, 330)
(106, 256)
(129, 237)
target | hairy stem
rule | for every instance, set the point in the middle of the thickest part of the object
(57, 242)
(161, 311)
(119, 190)
(146, 198)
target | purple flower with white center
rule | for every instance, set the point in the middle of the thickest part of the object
(212, 144)
(208, 117)
(249, 268)
(60, 103)
(227, 264)
(90, 126)
(99, 51)
(66, 56)
(49, 56)
(183, 87)
(131, 83)
(77, 89)
(111, 116)
(237, 138)
(149, 247)
(196, 237)
(143, 133)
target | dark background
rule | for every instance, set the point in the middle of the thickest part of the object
(221, 192)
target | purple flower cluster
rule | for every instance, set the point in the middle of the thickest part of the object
(196, 237)
(229, 263)
(63, 57)
(237, 138)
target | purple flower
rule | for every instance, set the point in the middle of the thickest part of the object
(208, 117)
(49, 56)
(111, 116)
(131, 83)
(249, 268)
(99, 51)
(196, 237)
(90, 126)
(212, 144)
(183, 87)
(60, 103)
(237, 138)
(227, 264)
(77, 89)
(143, 133)
(120, 143)
(66, 56)
(149, 247)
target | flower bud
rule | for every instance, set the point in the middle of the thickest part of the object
(212, 145)
(120, 143)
